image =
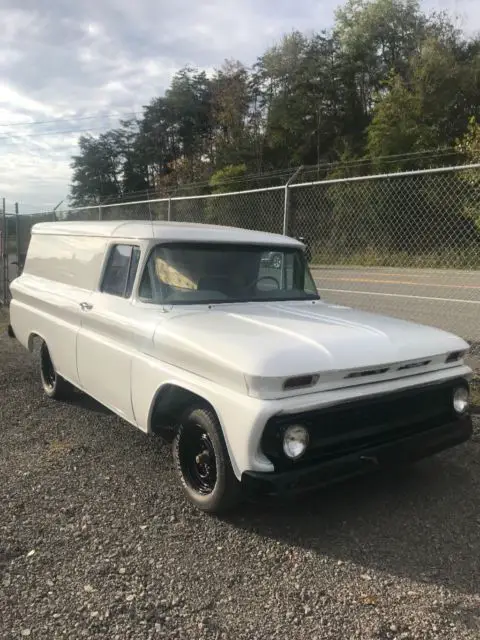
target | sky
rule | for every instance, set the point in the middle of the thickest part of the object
(70, 66)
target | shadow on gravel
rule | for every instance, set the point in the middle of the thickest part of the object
(83, 401)
(422, 523)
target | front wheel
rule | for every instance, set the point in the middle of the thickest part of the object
(53, 384)
(203, 464)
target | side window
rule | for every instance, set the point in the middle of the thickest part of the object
(289, 268)
(146, 289)
(296, 275)
(121, 270)
(135, 259)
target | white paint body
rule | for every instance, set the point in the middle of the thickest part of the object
(236, 356)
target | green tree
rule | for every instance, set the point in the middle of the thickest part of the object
(469, 147)
(387, 81)
(378, 38)
(397, 126)
(232, 141)
(97, 169)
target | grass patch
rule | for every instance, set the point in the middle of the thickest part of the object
(375, 257)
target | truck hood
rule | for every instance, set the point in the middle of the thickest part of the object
(280, 340)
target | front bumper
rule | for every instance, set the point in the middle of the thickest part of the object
(397, 452)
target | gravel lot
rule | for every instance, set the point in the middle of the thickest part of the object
(97, 541)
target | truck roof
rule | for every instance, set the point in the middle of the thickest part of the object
(159, 230)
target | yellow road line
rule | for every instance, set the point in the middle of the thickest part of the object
(407, 282)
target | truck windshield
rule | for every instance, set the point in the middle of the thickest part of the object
(212, 273)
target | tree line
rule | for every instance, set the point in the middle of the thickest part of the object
(388, 87)
(385, 81)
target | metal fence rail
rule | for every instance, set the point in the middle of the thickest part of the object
(406, 244)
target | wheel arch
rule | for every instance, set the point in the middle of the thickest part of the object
(169, 403)
(33, 336)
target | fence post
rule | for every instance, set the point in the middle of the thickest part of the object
(4, 256)
(169, 210)
(286, 202)
(54, 212)
(7, 256)
(149, 207)
(17, 233)
(100, 212)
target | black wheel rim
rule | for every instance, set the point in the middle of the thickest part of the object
(197, 459)
(48, 372)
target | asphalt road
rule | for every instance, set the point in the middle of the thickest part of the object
(449, 300)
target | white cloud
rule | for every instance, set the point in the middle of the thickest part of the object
(103, 57)
(94, 29)
(10, 97)
(466, 12)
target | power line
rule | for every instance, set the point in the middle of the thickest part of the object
(175, 189)
(359, 162)
(427, 154)
(18, 138)
(72, 119)
(48, 133)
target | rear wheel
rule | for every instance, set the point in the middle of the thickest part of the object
(203, 464)
(53, 384)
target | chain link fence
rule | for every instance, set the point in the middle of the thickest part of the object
(404, 244)
(6, 256)
(262, 210)
(424, 219)
(15, 230)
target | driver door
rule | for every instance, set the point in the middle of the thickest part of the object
(105, 343)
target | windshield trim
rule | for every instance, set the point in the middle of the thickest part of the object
(189, 303)
(184, 244)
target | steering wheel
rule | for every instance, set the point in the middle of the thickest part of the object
(255, 282)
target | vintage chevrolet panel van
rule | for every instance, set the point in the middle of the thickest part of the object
(195, 333)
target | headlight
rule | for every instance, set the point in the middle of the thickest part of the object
(295, 441)
(461, 400)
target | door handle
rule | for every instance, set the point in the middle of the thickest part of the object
(86, 306)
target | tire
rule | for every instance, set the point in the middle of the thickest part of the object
(54, 386)
(208, 483)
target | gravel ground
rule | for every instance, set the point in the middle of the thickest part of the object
(97, 541)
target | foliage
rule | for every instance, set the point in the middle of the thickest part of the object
(469, 144)
(388, 88)
(223, 180)
(386, 80)
(469, 147)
